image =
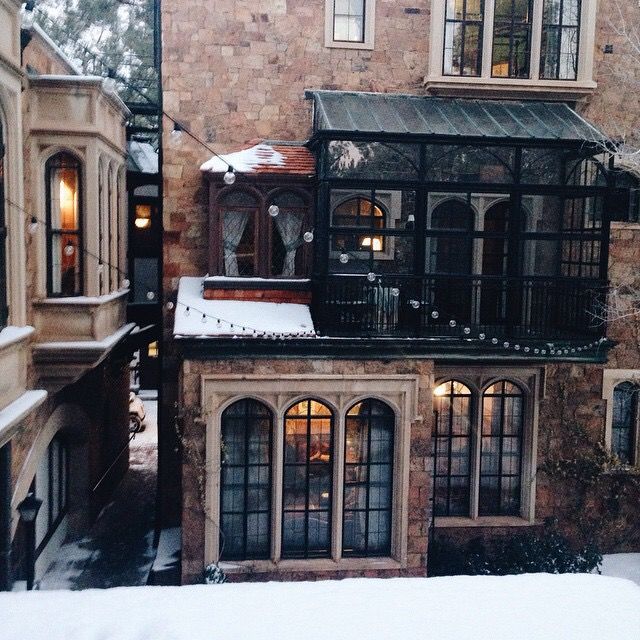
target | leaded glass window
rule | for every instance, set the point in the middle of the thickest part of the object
(625, 419)
(501, 450)
(64, 232)
(245, 493)
(307, 485)
(560, 39)
(512, 38)
(464, 23)
(368, 479)
(452, 448)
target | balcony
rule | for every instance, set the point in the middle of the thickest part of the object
(535, 309)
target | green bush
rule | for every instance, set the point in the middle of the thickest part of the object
(546, 552)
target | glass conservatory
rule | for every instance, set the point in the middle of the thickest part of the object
(436, 216)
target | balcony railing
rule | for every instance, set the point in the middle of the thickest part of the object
(536, 308)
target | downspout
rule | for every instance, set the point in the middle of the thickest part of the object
(5, 517)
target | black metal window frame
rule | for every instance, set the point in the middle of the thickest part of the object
(389, 417)
(361, 224)
(504, 435)
(559, 28)
(249, 413)
(449, 23)
(110, 218)
(4, 308)
(100, 225)
(444, 434)
(624, 428)
(510, 25)
(52, 232)
(307, 465)
(363, 16)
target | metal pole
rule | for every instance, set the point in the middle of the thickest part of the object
(31, 544)
(5, 517)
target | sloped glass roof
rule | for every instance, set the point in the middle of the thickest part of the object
(341, 112)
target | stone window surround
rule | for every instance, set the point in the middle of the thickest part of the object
(583, 83)
(611, 378)
(369, 28)
(340, 393)
(478, 380)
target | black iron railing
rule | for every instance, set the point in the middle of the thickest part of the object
(432, 306)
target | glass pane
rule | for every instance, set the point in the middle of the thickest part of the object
(541, 166)
(238, 242)
(448, 163)
(373, 160)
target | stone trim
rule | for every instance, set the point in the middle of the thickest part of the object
(339, 392)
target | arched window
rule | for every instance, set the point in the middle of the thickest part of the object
(452, 448)
(286, 234)
(239, 210)
(245, 487)
(101, 207)
(495, 253)
(368, 479)
(64, 225)
(501, 450)
(452, 222)
(307, 486)
(625, 419)
(360, 212)
(4, 311)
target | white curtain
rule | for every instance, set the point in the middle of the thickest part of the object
(233, 226)
(289, 227)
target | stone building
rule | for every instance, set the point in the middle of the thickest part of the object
(407, 242)
(63, 336)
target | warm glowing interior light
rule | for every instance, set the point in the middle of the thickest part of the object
(440, 390)
(68, 199)
(143, 216)
(367, 241)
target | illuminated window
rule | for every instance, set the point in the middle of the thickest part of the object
(360, 212)
(64, 234)
(307, 485)
(152, 352)
(143, 216)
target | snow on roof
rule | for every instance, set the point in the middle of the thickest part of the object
(292, 158)
(73, 67)
(237, 317)
(142, 157)
(526, 607)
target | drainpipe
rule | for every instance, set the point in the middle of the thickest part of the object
(5, 517)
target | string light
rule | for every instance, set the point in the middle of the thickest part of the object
(435, 315)
(69, 249)
(274, 210)
(150, 295)
(33, 225)
(230, 176)
(395, 292)
(371, 277)
(415, 304)
(452, 323)
(126, 284)
(344, 258)
(170, 306)
(308, 236)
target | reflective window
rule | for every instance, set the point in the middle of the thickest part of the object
(245, 495)
(452, 448)
(560, 36)
(512, 38)
(463, 37)
(307, 484)
(625, 419)
(368, 479)
(459, 163)
(64, 235)
(348, 20)
(501, 450)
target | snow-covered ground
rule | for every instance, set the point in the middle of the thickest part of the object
(529, 607)
(622, 565)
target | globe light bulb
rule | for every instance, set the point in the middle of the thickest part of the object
(395, 292)
(494, 340)
(517, 347)
(170, 306)
(482, 336)
(274, 210)
(435, 315)
(33, 226)
(371, 277)
(126, 284)
(467, 331)
(452, 323)
(415, 304)
(69, 249)
(150, 295)
(308, 236)
(344, 258)
(230, 176)
(505, 345)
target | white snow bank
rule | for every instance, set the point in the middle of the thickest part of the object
(237, 317)
(530, 607)
(622, 565)
(245, 161)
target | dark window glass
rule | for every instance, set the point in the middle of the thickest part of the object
(307, 485)
(512, 38)
(463, 38)
(560, 36)
(245, 494)
(348, 20)
(494, 295)
(64, 232)
(372, 160)
(452, 448)
(239, 211)
(625, 419)
(455, 163)
(287, 230)
(501, 450)
(360, 212)
(368, 479)
(4, 312)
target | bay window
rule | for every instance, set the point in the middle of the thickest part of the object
(64, 225)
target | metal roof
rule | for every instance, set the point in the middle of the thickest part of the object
(394, 114)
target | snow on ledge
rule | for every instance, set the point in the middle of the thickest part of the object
(14, 413)
(245, 161)
(11, 335)
(526, 607)
(237, 317)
